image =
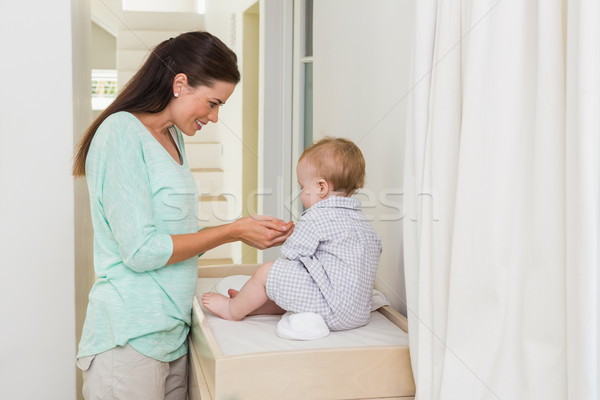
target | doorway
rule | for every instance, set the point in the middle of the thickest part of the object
(250, 82)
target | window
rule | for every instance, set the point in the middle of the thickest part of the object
(104, 88)
(302, 114)
(305, 66)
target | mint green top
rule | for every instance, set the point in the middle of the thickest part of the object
(139, 196)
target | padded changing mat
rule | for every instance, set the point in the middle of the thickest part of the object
(257, 333)
(247, 360)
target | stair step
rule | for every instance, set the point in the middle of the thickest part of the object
(224, 251)
(206, 170)
(209, 181)
(227, 251)
(216, 210)
(163, 21)
(210, 198)
(131, 60)
(223, 270)
(214, 261)
(204, 154)
(143, 39)
(209, 133)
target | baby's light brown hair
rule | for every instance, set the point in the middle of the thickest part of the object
(339, 161)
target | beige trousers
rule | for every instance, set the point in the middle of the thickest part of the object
(124, 374)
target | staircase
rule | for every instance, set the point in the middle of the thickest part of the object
(138, 34)
(215, 207)
(141, 31)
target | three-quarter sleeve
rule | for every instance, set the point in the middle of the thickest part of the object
(123, 190)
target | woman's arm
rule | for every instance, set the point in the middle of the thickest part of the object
(258, 231)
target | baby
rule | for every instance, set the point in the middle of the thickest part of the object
(330, 260)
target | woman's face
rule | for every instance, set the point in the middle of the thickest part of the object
(194, 107)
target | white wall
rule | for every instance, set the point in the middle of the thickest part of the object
(37, 311)
(362, 53)
(104, 44)
(84, 47)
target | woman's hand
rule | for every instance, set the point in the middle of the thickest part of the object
(257, 231)
(262, 232)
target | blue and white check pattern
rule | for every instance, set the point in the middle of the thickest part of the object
(328, 264)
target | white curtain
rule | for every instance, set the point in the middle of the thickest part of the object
(502, 179)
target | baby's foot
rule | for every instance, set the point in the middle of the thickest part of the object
(218, 304)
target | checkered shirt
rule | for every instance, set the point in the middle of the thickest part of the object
(328, 264)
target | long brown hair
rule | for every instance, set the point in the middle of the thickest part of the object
(199, 55)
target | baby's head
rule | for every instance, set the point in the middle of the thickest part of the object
(331, 166)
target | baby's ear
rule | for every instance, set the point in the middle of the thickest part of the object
(324, 188)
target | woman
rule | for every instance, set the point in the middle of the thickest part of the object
(144, 204)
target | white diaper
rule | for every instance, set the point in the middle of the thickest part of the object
(302, 326)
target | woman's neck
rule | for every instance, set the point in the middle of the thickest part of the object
(158, 124)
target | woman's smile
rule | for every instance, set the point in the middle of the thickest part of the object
(199, 124)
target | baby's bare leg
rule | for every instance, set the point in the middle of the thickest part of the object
(270, 307)
(252, 296)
